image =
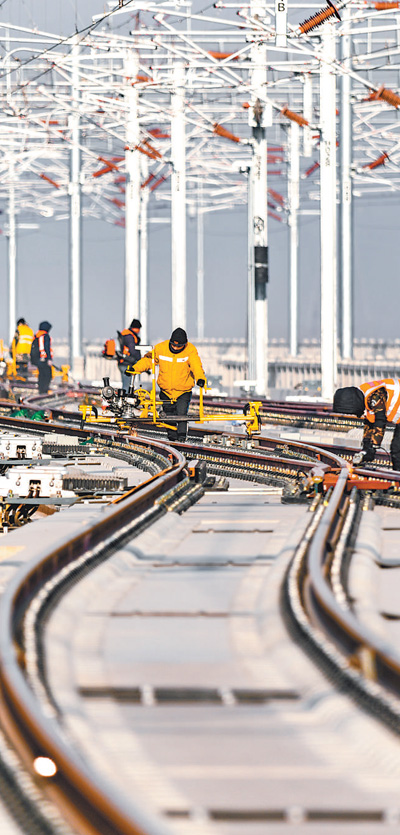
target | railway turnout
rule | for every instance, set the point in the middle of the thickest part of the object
(195, 637)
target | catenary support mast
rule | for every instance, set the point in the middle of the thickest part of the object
(258, 207)
(75, 224)
(200, 262)
(12, 250)
(294, 177)
(328, 212)
(132, 192)
(346, 195)
(12, 231)
(144, 302)
(178, 199)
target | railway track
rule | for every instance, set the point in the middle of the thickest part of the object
(313, 595)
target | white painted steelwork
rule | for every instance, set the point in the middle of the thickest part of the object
(346, 196)
(144, 242)
(259, 204)
(75, 223)
(200, 262)
(328, 212)
(178, 198)
(132, 193)
(293, 189)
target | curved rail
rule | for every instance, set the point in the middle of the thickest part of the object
(369, 663)
(96, 809)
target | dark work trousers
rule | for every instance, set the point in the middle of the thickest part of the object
(126, 379)
(178, 407)
(44, 377)
(395, 448)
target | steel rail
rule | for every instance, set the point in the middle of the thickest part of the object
(33, 733)
(85, 797)
(367, 661)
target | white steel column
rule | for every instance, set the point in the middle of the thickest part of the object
(251, 347)
(328, 212)
(258, 173)
(144, 202)
(11, 233)
(200, 262)
(12, 251)
(308, 115)
(178, 199)
(346, 196)
(132, 191)
(293, 186)
(75, 224)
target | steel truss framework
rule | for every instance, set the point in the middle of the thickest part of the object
(158, 105)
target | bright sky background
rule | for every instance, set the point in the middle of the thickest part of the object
(43, 255)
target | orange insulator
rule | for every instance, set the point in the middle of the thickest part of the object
(311, 170)
(294, 117)
(102, 171)
(111, 163)
(377, 162)
(158, 134)
(381, 7)
(151, 148)
(146, 182)
(49, 180)
(276, 196)
(220, 131)
(157, 183)
(275, 216)
(319, 17)
(388, 96)
(220, 56)
(119, 203)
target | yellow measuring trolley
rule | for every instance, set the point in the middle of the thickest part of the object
(144, 407)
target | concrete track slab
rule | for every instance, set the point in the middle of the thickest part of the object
(153, 697)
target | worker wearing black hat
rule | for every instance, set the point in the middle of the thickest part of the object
(379, 402)
(179, 369)
(128, 354)
(42, 355)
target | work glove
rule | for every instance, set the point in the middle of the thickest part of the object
(364, 456)
(201, 383)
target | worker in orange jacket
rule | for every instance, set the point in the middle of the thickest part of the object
(42, 356)
(379, 402)
(179, 368)
(129, 339)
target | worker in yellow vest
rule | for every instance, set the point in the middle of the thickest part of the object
(21, 346)
(179, 368)
(379, 402)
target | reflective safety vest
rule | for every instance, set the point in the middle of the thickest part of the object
(42, 350)
(392, 407)
(128, 332)
(25, 339)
